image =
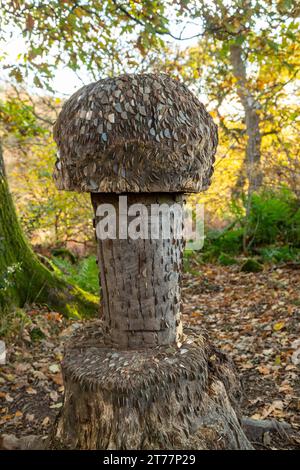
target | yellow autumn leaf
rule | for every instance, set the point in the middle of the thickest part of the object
(278, 326)
(277, 360)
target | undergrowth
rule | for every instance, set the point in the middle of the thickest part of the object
(84, 273)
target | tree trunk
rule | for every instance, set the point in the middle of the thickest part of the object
(135, 380)
(251, 108)
(140, 278)
(23, 279)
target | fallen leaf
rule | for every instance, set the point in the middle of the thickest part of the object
(275, 405)
(277, 360)
(46, 421)
(256, 416)
(264, 370)
(54, 368)
(6, 418)
(57, 379)
(37, 374)
(57, 405)
(53, 395)
(278, 326)
(30, 417)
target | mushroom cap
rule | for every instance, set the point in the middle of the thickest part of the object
(134, 133)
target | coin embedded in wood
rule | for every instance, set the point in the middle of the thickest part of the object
(152, 124)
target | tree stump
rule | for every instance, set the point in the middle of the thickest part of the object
(135, 380)
(166, 397)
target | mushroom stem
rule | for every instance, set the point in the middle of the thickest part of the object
(140, 267)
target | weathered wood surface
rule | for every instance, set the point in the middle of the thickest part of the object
(140, 279)
(167, 397)
(134, 133)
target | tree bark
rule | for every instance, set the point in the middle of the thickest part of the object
(251, 108)
(135, 380)
(23, 279)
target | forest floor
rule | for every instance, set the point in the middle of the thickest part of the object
(253, 317)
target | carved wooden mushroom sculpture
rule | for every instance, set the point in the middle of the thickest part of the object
(133, 380)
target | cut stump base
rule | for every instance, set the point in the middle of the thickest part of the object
(167, 397)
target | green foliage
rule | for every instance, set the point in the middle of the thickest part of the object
(13, 322)
(274, 217)
(229, 241)
(18, 118)
(273, 229)
(277, 254)
(36, 334)
(192, 262)
(187, 259)
(90, 35)
(226, 260)
(48, 216)
(84, 274)
(7, 280)
(251, 266)
(64, 253)
(24, 279)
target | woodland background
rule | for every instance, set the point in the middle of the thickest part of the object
(242, 59)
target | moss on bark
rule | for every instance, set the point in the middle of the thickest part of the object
(23, 279)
